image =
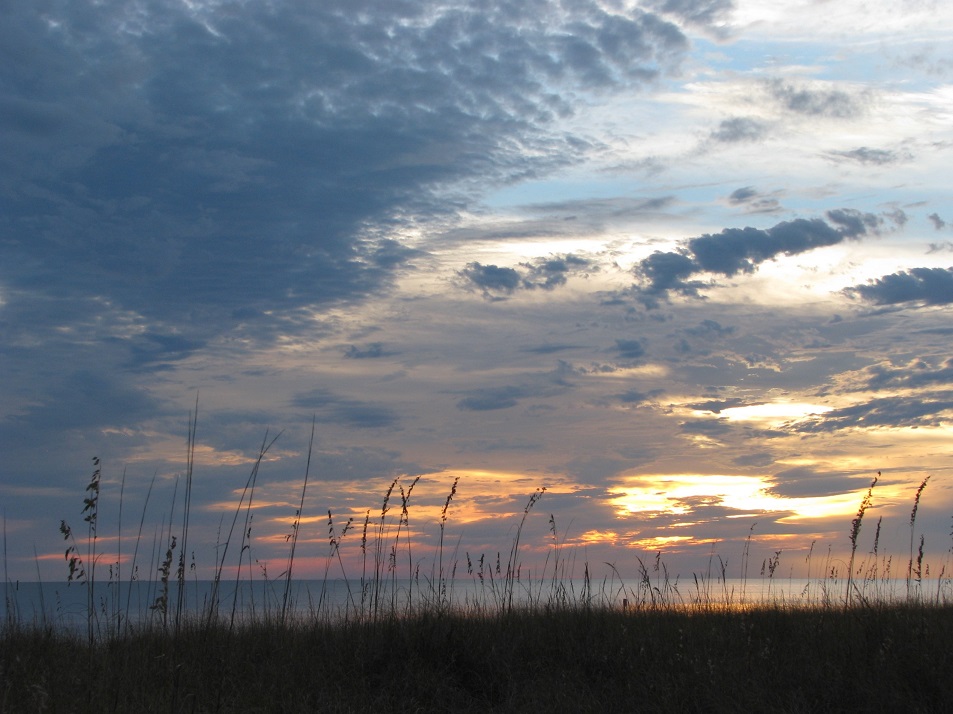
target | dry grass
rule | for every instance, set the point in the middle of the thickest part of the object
(512, 644)
(773, 660)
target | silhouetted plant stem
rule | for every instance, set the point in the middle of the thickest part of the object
(296, 526)
(854, 532)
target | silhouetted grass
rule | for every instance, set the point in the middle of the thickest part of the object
(510, 642)
(580, 659)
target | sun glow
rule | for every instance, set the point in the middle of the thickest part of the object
(773, 412)
(683, 494)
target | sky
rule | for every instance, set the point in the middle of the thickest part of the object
(684, 264)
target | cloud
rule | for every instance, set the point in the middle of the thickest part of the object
(369, 351)
(706, 427)
(492, 398)
(917, 373)
(710, 15)
(927, 286)
(549, 273)
(753, 201)
(332, 408)
(805, 482)
(603, 209)
(634, 396)
(630, 349)
(235, 196)
(937, 222)
(84, 399)
(759, 459)
(550, 349)
(739, 129)
(492, 278)
(542, 273)
(547, 384)
(741, 250)
(815, 100)
(866, 155)
(718, 406)
(890, 412)
(667, 271)
(709, 329)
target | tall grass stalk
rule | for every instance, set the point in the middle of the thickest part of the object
(186, 512)
(296, 527)
(913, 520)
(213, 605)
(854, 532)
(8, 599)
(379, 581)
(441, 581)
(133, 572)
(404, 524)
(513, 564)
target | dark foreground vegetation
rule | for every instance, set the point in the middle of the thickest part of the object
(890, 658)
(520, 644)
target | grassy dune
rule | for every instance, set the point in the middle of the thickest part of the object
(568, 648)
(774, 660)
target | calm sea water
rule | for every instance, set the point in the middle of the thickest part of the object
(112, 605)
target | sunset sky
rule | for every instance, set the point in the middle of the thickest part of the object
(685, 264)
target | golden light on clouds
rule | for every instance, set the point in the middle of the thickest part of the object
(774, 412)
(682, 494)
(662, 542)
(674, 493)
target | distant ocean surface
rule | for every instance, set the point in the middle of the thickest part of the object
(67, 607)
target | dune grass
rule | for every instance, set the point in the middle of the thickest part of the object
(509, 642)
(894, 658)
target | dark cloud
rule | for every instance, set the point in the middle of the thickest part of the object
(717, 406)
(542, 273)
(937, 222)
(708, 15)
(492, 278)
(155, 352)
(866, 155)
(547, 384)
(490, 399)
(893, 412)
(804, 482)
(741, 250)
(603, 210)
(597, 469)
(369, 351)
(550, 349)
(223, 166)
(360, 464)
(630, 349)
(742, 195)
(753, 201)
(928, 286)
(331, 408)
(759, 459)
(667, 271)
(917, 373)
(549, 273)
(634, 396)
(709, 329)
(84, 399)
(706, 427)
(853, 224)
(817, 101)
(738, 129)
